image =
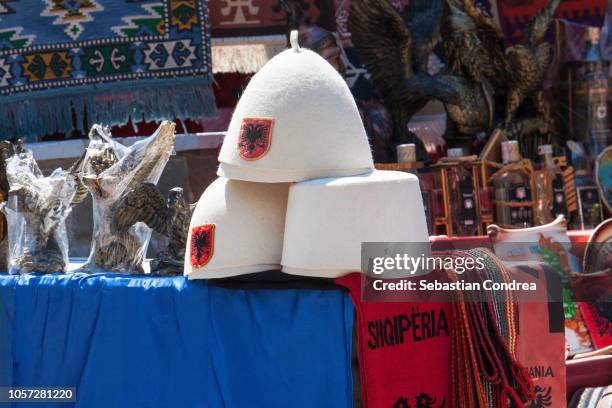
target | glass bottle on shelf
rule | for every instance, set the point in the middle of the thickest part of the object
(592, 106)
(406, 153)
(513, 207)
(463, 203)
(555, 204)
(589, 213)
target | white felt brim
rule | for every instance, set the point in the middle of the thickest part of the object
(230, 271)
(263, 175)
(317, 273)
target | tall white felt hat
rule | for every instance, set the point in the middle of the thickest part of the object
(236, 228)
(329, 218)
(295, 121)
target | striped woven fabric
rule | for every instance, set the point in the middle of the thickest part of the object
(484, 369)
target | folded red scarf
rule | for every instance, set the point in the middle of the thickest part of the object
(541, 337)
(403, 350)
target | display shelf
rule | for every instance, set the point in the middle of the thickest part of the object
(68, 149)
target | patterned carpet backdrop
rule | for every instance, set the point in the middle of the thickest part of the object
(513, 15)
(244, 18)
(64, 63)
(247, 33)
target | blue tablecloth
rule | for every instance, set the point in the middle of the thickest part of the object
(126, 341)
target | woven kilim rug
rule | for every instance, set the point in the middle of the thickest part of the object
(103, 59)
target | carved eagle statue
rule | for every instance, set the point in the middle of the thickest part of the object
(44, 203)
(99, 156)
(476, 65)
(169, 217)
(395, 48)
(484, 71)
(528, 63)
(141, 162)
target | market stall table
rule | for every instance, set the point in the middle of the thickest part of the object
(139, 341)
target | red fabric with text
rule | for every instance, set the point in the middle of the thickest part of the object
(404, 350)
(541, 338)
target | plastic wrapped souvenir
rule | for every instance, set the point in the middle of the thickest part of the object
(36, 212)
(169, 217)
(113, 170)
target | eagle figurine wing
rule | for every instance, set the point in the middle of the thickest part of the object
(484, 54)
(387, 48)
(483, 21)
(383, 42)
(76, 172)
(145, 203)
(180, 217)
(536, 28)
(423, 19)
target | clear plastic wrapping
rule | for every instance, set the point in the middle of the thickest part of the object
(112, 170)
(36, 212)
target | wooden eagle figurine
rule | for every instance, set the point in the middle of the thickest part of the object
(395, 48)
(123, 251)
(37, 207)
(99, 156)
(485, 72)
(169, 217)
(528, 63)
(476, 66)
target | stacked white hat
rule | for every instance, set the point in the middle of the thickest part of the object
(297, 122)
(329, 218)
(236, 228)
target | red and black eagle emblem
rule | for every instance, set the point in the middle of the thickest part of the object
(255, 137)
(202, 244)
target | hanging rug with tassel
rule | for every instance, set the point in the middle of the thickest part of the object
(63, 64)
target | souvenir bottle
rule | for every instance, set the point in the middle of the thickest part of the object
(463, 203)
(406, 153)
(592, 118)
(550, 187)
(513, 206)
(589, 213)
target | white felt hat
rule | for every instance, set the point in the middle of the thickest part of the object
(328, 219)
(295, 121)
(236, 228)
